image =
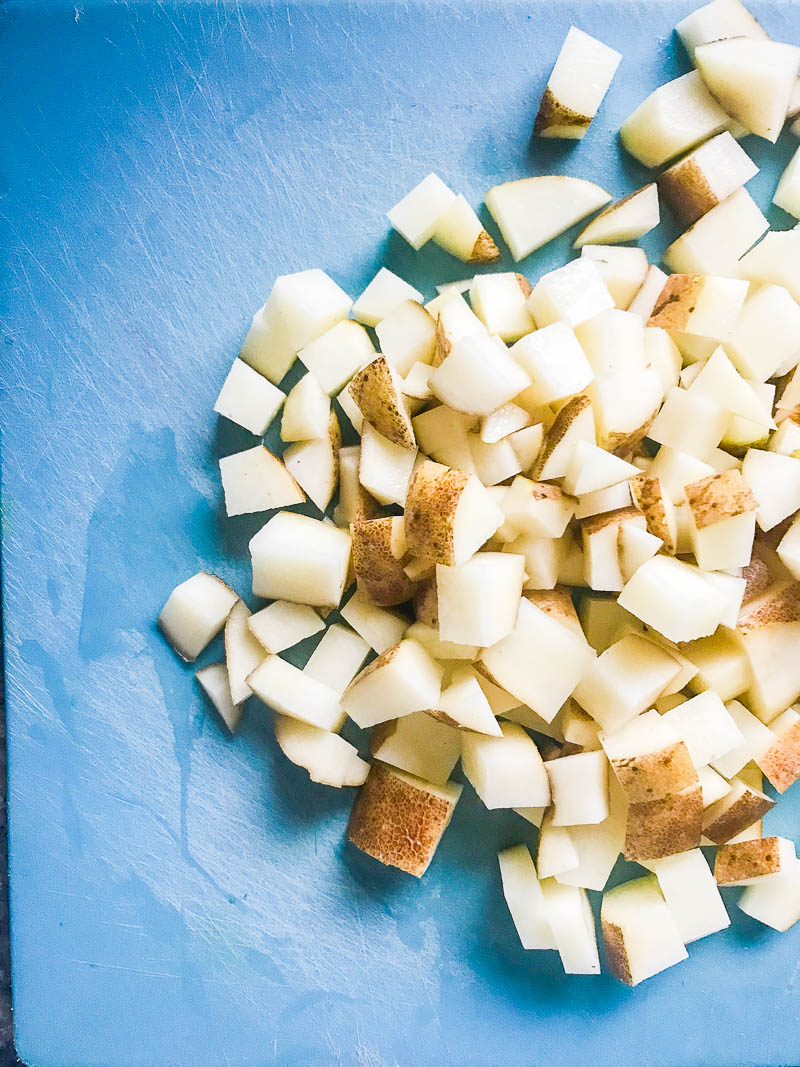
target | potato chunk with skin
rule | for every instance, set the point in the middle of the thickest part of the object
(745, 862)
(649, 758)
(704, 177)
(665, 827)
(781, 761)
(639, 931)
(378, 552)
(576, 86)
(399, 819)
(737, 810)
(448, 514)
(722, 521)
(377, 391)
(328, 758)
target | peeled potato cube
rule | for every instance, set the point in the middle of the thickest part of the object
(415, 217)
(339, 353)
(627, 220)
(300, 308)
(463, 704)
(556, 854)
(540, 662)
(291, 692)
(524, 898)
(338, 658)
(674, 598)
(752, 79)
(479, 600)
(300, 559)
(214, 682)
(418, 744)
(573, 294)
(717, 241)
(499, 302)
(385, 468)
(249, 399)
(282, 625)
(399, 819)
(315, 464)
(674, 118)
(306, 413)
(478, 376)
(379, 627)
(506, 771)
(639, 931)
(195, 612)
(691, 894)
(407, 336)
(384, 293)
(569, 913)
(402, 680)
(579, 787)
(242, 652)
(706, 726)
(554, 361)
(532, 211)
(328, 758)
(255, 480)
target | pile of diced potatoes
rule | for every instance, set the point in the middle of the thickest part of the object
(565, 549)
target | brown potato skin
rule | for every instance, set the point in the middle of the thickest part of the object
(746, 859)
(664, 827)
(378, 573)
(396, 823)
(553, 114)
(780, 764)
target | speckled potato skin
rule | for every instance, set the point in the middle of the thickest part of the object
(721, 496)
(649, 497)
(426, 603)
(484, 250)
(615, 952)
(431, 510)
(782, 604)
(676, 302)
(378, 573)
(397, 823)
(555, 435)
(555, 120)
(378, 397)
(757, 579)
(655, 775)
(749, 808)
(746, 859)
(686, 190)
(664, 827)
(781, 762)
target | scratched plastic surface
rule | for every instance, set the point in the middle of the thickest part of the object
(178, 897)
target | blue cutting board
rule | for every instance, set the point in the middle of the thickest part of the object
(179, 897)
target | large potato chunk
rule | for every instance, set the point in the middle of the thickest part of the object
(300, 559)
(448, 515)
(399, 819)
(195, 613)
